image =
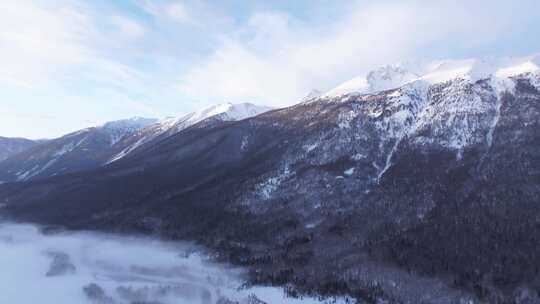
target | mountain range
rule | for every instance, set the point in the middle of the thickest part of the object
(416, 183)
(98, 146)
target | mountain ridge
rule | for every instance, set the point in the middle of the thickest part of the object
(434, 72)
(100, 145)
(170, 126)
(425, 191)
(78, 150)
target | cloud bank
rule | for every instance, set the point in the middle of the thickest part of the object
(68, 268)
(282, 59)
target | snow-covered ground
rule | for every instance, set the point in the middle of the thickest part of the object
(103, 269)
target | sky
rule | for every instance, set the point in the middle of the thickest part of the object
(70, 64)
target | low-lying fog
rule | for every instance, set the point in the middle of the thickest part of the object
(70, 268)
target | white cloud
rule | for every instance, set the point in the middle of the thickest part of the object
(57, 55)
(236, 74)
(276, 59)
(174, 10)
(44, 44)
(38, 42)
(195, 13)
(176, 56)
(178, 12)
(128, 27)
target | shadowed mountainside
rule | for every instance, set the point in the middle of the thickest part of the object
(421, 194)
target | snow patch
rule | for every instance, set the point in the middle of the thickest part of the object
(349, 171)
(228, 112)
(345, 119)
(245, 142)
(358, 156)
(495, 122)
(127, 150)
(269, 186)
(69, 147)
(309, 148)
(518, 69)
(314, 94)
(388, 161)
(22, 175)
(396, 93)
(311, 225)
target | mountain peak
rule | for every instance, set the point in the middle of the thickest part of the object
(172, 125)
(129, 123)
(226, 112)
(439, 71)
(313, 94)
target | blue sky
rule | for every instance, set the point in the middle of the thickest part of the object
(69, 64)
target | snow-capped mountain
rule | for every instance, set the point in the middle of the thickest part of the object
(172, 125)
(220, 112)
(97, 146)
(11, 146)
(228, 112)
(417, 181)
(313, 94)
(120, 128)
(76, 151)
(434, 72)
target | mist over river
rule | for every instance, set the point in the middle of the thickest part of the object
(70, 268)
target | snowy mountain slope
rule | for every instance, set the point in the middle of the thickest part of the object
(97, 146)
(424, 191)
(434, 72)
(313, 94)
(11, 146)
(120, 128)
(80, 150)
(228, 112)
(457, 102)
(171, 126)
